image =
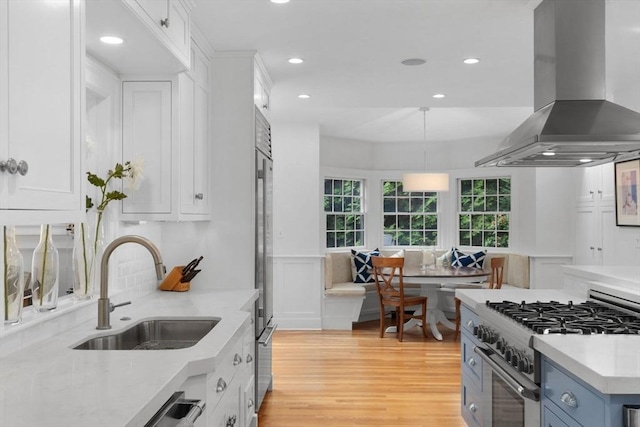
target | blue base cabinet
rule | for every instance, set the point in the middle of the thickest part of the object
(569, 401)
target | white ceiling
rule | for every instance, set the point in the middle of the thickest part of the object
(360, 90)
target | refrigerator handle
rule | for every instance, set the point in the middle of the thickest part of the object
(269, 331)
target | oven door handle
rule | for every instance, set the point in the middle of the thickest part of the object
(531, 393)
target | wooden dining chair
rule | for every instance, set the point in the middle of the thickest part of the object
(495, 282)
(388, 274)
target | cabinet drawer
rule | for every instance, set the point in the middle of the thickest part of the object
(572, 397)
(219, 381)
(549, 419)
(471, 362)
(468, 319)
(471, 403)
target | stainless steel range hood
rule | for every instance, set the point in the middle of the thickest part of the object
(573, 121)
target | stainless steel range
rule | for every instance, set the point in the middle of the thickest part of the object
(512, 367)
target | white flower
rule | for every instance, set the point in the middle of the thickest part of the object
(135, 174)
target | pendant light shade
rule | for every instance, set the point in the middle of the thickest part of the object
(425, 181)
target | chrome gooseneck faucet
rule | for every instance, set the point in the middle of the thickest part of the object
(104, 307)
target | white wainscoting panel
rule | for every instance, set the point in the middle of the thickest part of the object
(297, 291)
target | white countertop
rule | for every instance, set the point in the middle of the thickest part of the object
(609, 363)
(620, 275)
(50, 385)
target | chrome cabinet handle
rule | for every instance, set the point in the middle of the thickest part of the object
(221, 386)
(237, 360)
(473, 408)
(164, 22)
(472, 362)
(14, 167)
(591, 247)
(249, 358)
(569, 399)
(199, 196)
(600, 249)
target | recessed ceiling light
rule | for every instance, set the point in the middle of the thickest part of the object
(111, 40)
(471, 61)
(296, 60)
(548, 153)
(304, 96)
(413, 61)
(279, 1)
(439, 95)
(585, 160)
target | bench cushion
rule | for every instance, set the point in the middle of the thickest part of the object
(346, 288)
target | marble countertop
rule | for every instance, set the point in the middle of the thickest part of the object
(618, 275)
(48, 384)
(610, 364)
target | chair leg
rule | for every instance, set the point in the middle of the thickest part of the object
(400, 323)
(382, 317)
(455, 337)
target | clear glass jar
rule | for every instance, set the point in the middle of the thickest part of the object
(13, 278)
(45, 269)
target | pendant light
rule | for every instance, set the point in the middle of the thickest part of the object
(425, 181)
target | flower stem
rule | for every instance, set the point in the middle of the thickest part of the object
(84, 257)
(44, 265)
(6, 276)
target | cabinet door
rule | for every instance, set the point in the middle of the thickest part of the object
(147, 133)
(40, 107)
(178, 26)
(586, 235)
(158, 10)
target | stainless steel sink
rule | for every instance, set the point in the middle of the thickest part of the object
(154, 334)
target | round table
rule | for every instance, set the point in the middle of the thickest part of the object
(431, 280)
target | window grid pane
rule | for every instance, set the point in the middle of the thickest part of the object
(410, 218)
(484, 207)
(342, 202)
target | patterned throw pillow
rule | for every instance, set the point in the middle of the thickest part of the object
(362, 266)
(460, 259)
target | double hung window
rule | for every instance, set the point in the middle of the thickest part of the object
(484, 210)
(343, 207)
(409, 218)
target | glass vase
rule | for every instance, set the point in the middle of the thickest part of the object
(87, 253)
(45, 269)
(13, 278)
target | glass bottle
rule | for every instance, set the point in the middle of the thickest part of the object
(45, 269)
(13, 278)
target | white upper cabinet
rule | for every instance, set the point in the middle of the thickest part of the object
(156, 33)
(166, 123)
(170, 20)
(261, 88)
(41, 88)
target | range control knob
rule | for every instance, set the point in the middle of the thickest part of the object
(525, 365)
(508, 352)
(501, 345)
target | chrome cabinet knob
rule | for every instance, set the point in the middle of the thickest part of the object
(470, 323)
(237, 360)
(221, 386)
(473, 407)
(13, 167)
(569, 399)
(472, 362)
(250, 403)
(249, 358)
(199, 196)
(164, 22)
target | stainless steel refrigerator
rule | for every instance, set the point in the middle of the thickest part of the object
(264, 257)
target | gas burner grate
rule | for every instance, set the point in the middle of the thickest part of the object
(559, 318)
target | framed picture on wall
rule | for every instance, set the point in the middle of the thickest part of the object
(627, 179)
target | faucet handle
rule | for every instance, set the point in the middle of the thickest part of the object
(114, 306)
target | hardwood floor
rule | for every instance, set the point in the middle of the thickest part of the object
(356, 378)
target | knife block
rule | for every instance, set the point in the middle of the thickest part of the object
(172, 281)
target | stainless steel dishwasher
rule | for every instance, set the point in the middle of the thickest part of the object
(177, 412)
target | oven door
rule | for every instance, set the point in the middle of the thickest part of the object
(509, 398)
